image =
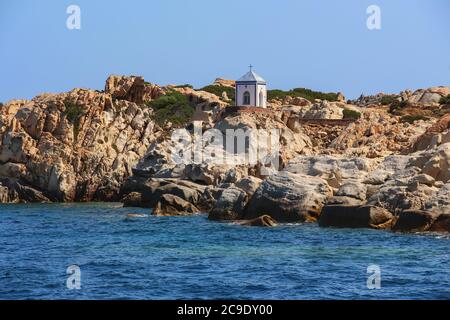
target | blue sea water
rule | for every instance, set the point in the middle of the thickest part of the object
(193, 258)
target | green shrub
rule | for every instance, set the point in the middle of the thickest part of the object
(218, 90)
(277, 94)
(303, 93)
(73, 114)
(445, 100)
(440, 112)
(412, 118)
(187, 85)
(173, 107)
(396, 105)
(351, 114)
(1, 104)
(385, 100)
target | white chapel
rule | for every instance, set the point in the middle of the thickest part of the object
(251, 90)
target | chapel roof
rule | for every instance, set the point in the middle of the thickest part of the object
(251, 76)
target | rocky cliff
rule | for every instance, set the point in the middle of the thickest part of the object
(74, 146)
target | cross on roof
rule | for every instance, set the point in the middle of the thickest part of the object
(250, 66)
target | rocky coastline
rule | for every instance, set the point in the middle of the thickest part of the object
(388, 167)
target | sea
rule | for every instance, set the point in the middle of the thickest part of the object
(94, 251)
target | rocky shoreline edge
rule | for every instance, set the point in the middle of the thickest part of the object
(388, 168)
(288, 197)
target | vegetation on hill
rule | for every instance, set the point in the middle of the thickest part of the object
(218, 90)
(445, 100)
(73, 114)
(187, 85)
(412, 118)
(398, 105)
(410, 112)
(385, 100)
(303, 93)
(351, 114)
(445, 110)
(173, 107)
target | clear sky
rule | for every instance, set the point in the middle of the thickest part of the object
(321, 44)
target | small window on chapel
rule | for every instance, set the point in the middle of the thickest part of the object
(246, 98)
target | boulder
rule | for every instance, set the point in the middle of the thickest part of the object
(352, 189)
(435, 135)
(355, 217)
(30, 194)
(296, 101)
(397, 198)
(350, 193)
(249, 184)
(324, 110)
(132, 89)
(441, 224)
(424, 179)
(438, 165)
(133, 199)
(186, 190)
(204, 100)
(334, 169)
(289, 197)
(428, 96)
(18, 191)
(440, 202)
(232, 175)
(213, 174)
(414, 221)
(199, 173)
(171, 205)
(152, 189)
(225, 97)
(230, 205)
(262, 221)
(224, 82)
(4, 194)
(345, 201)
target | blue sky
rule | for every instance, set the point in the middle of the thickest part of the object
(322, 44)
